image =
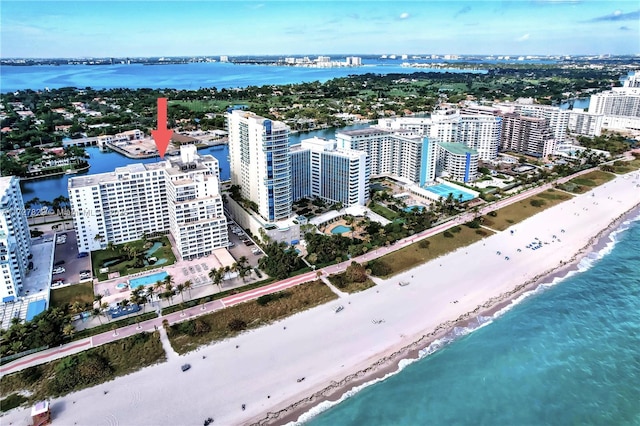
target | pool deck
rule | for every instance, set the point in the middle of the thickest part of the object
(111, 294)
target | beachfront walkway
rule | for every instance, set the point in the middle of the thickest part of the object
(187, 314)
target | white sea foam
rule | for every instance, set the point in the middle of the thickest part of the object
(480, 321)
(325, 405)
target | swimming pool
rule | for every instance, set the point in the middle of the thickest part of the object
(153, 248)
(121, 286)
(412, 208)
(340, 229)
(149, 279)
(444, 190)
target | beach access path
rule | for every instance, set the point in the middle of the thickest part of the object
(261, 368)
(190, 313)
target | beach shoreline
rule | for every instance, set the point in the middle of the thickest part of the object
(389, 362)
(378, 329)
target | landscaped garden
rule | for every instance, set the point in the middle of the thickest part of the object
(353, 279)
(189, 335)
(75, 372)
(503, 218)
(425, 250)
(132, 257)
(586, 182)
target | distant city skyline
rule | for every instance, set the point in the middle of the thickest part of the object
(53, 29)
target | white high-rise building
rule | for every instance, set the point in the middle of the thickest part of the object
(260, 162)
(479, 132)
(410, 157)
(334, 174)
(178, 196)
(15, 239)
(623, 101)
(457, 162)
(557, 119)
(585, 123)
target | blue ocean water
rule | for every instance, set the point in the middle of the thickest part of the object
(567, 355)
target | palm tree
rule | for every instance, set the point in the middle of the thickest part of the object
(169, 290)
(216, 277)
(169, 279)
(98, 298)
(149, 293)
(96, 312)
(69, 330)
(187, 286)
(180, 288)
(103, 309)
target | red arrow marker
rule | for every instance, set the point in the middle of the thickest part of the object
(162, 136)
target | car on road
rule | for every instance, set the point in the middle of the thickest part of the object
(185, 367)
(57, 282)
(58, 263)
(59, 270)
(338, 309)
(82, 254)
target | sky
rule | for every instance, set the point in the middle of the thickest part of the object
(69, 29)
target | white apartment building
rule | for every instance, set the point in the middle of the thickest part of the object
(585, 123)
(621, 123)
(479, 132)
(409, 157)
(330, 173)
(557, 119)
(623, 100)
(457, 162)
(15, 239)
(260, 162)
(179, 196)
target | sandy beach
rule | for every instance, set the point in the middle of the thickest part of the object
(336, 351)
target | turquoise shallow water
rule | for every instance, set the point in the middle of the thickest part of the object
(567, 355)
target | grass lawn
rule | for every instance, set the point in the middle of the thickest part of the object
(89, 368)
(82, 293)
(126, 267)
(188, 336)
(426, 250)
(523, 209)
(383, 211)
(586, 182)
(622, 167)
(339, 280)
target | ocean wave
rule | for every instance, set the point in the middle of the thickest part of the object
(478, 322)
(325, 405)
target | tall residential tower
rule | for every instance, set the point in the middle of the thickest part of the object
(15, 239)
(260, 163)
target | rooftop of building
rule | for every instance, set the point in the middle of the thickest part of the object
(172, 166)
(457, 148)
(5, 183)
(364, 132)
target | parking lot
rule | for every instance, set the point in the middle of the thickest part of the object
(68, 253)
(251, 252)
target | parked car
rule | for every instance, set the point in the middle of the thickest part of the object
(59, 262)
(57, 282)
(82, 254)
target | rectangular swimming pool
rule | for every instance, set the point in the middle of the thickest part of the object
(149, 279)
(444, 190)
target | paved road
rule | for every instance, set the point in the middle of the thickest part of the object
(190, 313)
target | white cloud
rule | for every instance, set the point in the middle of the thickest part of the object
(523, 37)
(404, 15)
